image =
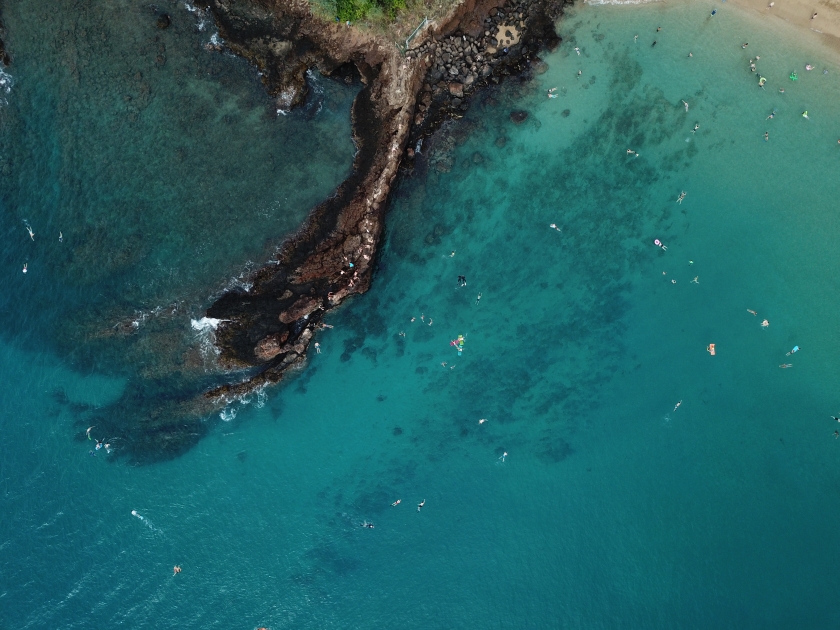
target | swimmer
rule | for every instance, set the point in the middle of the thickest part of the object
(766, 136)
(771, 5)
(87, 433)
(421, 504)
(673, 282)
(813, 16)
(430, 321)
(413, 318)
(744, 45)
(696, 280)
(658, 28)
(677, 406)
(482, 421)
(786, 365)
(396, 503)
(782, 90)
(99, 444)
(478, 299)
(772, 115)
(443, 363)
(714, 12)
(580, 72)
(422, 317)
(631, 152)
(402, 333)
(686, 102)
(836, 434)
(635, 38)
(317, 347)
(24, 268)
(553, 226)
(176, 570)
(794, 351)
(31, 233)
(367, 525)
(502, 458)
(749, 310)
(690, 55)
(696, 127)
(653, 44)
(552, 96)
(835, 418)
(805, 115)
(765, 324)
(451, 367)
(60, 237)
(452, 254)
(552, 90)
(577, 50)
(681, 197)
(809, 67)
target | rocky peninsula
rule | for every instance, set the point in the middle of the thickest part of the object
(406, 94)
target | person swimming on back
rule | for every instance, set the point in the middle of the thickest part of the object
(421, 504)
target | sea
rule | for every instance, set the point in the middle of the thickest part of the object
(635, 430)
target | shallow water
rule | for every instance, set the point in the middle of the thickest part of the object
(611, 509)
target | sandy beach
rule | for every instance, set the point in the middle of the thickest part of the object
(799, 13)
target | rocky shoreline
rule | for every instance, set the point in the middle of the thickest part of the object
(404, 99)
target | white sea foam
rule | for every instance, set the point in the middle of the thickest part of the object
(7, 81)
(206, 323)
(202, 16)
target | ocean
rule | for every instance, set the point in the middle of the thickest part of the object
(622, 477)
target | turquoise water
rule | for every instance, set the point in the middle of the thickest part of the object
(611, 509)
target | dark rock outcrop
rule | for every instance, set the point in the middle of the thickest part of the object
(332, 256)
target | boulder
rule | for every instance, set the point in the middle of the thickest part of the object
(303, 306)
(456, 89)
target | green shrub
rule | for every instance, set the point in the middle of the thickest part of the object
(351, 10)
(391, 6)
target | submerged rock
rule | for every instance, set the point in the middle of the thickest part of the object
(519, 116)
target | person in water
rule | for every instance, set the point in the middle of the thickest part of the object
(60, 237)
(766, 136)
(176, 570)
(421, 504)
(794, 351)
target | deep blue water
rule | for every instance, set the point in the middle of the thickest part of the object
(586, 500)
